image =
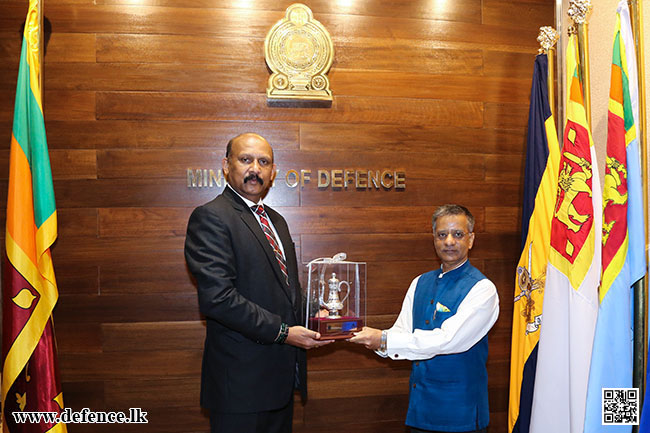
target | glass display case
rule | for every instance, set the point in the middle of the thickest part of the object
(336, 296)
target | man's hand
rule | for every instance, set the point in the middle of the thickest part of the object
(369, 337)
(300, 336)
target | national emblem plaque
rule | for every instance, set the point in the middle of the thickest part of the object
(299, 52)
(336, 301)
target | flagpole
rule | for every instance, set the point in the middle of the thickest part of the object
(583, 49)
(41, 46)
(551, 79)
(578, 11)
(547, 39)
(641, 306)
(559, 119)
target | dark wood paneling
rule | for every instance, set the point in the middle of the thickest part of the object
(525, 14)
(81, 222)
(181, 49)
(423, 139)
(506, 115)
(171, 164)
(157, 222)
(508, 64)
(504, 168)
(76, 278)
(503, 219)
(69, 105)
(357, 53)
(380, 381)
(83, 309)
(165, 393)
(396, 247)
(138, 91)
(72, 338)
(58, 47)
(80, 394)
(246, 79)
(243, 22)
(148, 192)
(100, 251)
(459, 10)
(157, 77)
(418, 192)
(173, 134)
(119, 337)
(129, 365)
(168, 275)
(319, 411)
(65, 164)
(208, 106)
(418, 85)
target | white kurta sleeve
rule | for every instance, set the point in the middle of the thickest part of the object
(475, 316)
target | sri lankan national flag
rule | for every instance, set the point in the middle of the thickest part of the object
(611, 361)
(29, 376)
(542, 162)
(573, 275)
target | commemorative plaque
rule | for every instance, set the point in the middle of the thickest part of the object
(336, 296)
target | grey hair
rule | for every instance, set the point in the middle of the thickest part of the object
(452, 209)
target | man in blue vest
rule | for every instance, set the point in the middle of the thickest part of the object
(443, 328)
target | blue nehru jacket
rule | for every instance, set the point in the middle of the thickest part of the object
(447, 392)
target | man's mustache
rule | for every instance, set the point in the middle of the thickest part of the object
(254, 177)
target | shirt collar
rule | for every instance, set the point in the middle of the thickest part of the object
(444, 273)
(248, 202)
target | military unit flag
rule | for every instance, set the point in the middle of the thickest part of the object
(542, 162)
(29, 375)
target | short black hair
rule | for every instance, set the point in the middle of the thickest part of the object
(229, 146)
(453, 209)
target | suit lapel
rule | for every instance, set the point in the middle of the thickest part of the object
(251, 222)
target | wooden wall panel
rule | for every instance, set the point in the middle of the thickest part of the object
(139, 91)
(229, 106)
(121, 164)
(423, 139)
(459, 10)
(161, 134)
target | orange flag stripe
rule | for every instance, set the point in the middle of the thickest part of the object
(20, 218)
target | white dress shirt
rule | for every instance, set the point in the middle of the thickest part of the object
(250, 204)
(475, 316)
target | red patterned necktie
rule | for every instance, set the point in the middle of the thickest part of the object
(266, 228)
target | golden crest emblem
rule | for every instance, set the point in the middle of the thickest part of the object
(299, 52)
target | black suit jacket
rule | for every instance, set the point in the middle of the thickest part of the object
(245, 298)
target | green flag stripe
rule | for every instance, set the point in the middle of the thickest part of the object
(29, 130)
(628, 118)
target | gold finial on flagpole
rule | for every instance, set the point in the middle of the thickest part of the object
(547, 38)
(579, 11)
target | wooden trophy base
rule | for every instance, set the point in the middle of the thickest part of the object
(335, 329)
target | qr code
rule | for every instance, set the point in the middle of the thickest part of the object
(620, 406)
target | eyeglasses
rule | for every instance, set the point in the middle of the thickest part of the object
(456, 234)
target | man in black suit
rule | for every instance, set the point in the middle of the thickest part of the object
(244, 262)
